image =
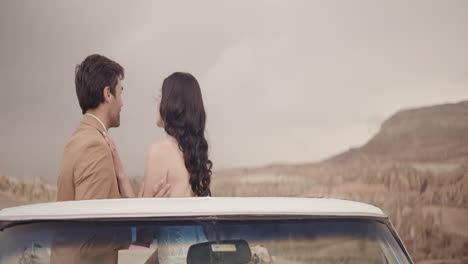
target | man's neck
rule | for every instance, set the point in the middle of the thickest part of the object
(101, 117)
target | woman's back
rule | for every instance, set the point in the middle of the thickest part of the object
(166, 163)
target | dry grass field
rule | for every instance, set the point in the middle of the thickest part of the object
(429, 210)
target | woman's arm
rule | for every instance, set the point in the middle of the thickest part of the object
(156, 171)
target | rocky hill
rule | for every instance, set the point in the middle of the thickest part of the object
(425, 135)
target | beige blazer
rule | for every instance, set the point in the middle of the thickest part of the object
(87, 169)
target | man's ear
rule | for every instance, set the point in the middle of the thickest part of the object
(107, 94)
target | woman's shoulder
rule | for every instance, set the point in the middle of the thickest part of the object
(161, 149)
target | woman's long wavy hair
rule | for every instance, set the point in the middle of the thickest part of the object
(184, 116)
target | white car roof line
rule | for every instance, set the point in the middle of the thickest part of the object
(190, 207)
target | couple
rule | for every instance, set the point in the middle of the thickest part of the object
(176, 167)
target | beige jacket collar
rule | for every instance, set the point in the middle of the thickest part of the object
(91, 121)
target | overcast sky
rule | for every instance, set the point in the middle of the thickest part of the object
(283, 81)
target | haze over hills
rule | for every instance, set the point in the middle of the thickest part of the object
(431, 137)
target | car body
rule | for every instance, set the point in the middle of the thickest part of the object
(200, 230)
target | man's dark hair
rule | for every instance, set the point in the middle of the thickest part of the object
(91, 76)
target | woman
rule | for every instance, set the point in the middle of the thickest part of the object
(181, 160)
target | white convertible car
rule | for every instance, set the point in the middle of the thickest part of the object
(199, 230)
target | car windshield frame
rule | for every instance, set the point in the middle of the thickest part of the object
(245, 219)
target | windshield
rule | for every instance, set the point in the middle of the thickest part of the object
(202, 241)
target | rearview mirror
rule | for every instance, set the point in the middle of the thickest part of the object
(222, 252)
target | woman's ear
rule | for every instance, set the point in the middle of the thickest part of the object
(160, 122)
(107, 94)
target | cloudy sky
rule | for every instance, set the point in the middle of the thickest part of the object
(283, 81)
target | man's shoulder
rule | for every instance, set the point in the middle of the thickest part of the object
(85, 137)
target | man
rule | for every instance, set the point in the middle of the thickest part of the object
(87, 170)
